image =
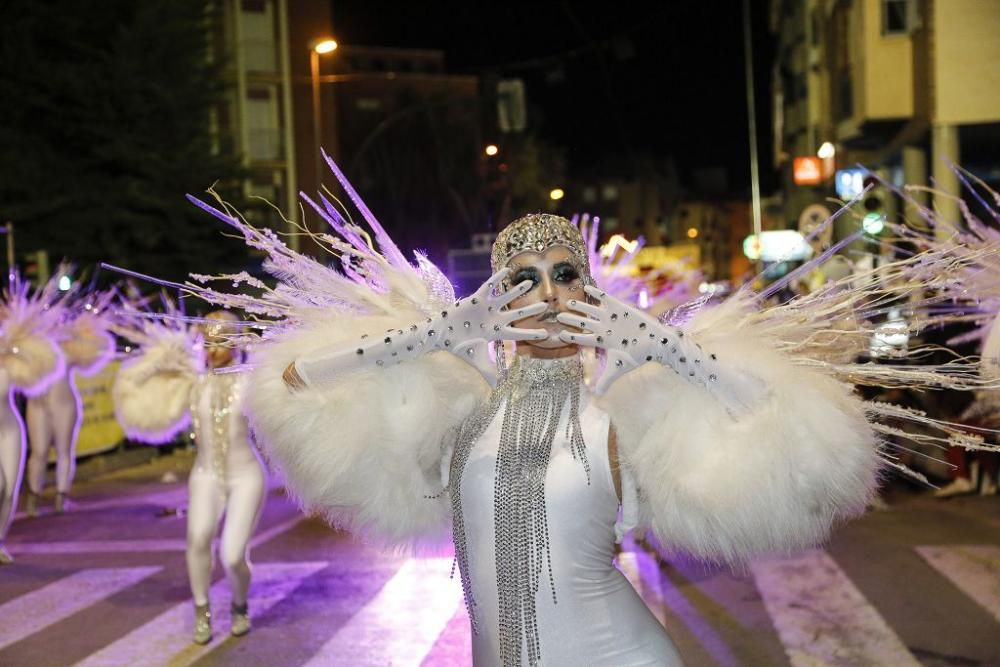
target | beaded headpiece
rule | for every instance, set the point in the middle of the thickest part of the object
(538, 232)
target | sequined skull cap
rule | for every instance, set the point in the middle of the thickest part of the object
(538, 232)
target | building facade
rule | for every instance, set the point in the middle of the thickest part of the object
(903, 87)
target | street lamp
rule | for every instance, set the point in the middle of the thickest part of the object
(316, 49)
(492, 150)
(556, 194)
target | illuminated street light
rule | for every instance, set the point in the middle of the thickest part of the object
(826, 151)
(325, 46)
(317, 48)
(556, 194)
(492, 150)
(692, 233)
(65, 282)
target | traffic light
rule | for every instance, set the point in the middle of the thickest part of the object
(878, 206)
(36, 267)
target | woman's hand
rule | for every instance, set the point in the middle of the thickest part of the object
(463, 330)
(483, 319)
(292, 379)
(631, 338)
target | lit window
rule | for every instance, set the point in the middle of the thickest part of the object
(609, 192)
(589, 195)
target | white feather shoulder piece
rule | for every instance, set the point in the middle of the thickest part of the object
(726, 488)
(28, 332)
(152, 390)
(364, 452)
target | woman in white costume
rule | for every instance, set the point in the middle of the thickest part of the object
(29, 361)
(155, 395)
(727, 438)
(54, 416)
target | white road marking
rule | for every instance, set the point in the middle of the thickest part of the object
(822, 618)
(168, 636)
(398, 626)
(973, 569)
(31, 612)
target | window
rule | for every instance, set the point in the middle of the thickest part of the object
(589, 195)
(263, 124)
(260, 50)
(609, 192)
(899, 17)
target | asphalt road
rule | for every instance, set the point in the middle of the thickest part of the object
(105, 584)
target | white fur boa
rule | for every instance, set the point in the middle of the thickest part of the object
(726, 488)
(152, 390)
(364, 452)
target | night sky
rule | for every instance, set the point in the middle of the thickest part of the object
(609, 80)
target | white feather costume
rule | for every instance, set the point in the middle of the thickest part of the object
(30, 360)
(54, 417)
(365, 450)
(152, 390)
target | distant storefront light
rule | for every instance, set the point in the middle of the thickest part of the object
(850, 182)
(807, 170)
(782, 245)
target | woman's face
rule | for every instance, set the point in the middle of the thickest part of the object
(218, 353)
(556, 281)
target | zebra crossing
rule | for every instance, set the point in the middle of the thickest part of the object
(416, 616)
(822, 617)
(168, 636)
(27, 614)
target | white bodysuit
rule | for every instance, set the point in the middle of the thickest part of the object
(227, 478)
(598, 618)
(54, 421)
(11, 453)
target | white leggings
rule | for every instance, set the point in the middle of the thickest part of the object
(11, 456)
(240, 500)
(53, 419)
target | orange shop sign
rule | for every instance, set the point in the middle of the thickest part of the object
(807, 171)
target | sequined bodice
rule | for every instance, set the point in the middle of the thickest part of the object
(584, 612)
(218, 423)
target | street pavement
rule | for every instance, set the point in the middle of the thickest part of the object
(105, 584)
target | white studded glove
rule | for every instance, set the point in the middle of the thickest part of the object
(631, 338)
(464, 330)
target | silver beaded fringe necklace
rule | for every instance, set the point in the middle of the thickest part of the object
(535, 393)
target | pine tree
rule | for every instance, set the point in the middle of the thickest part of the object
(105, 127)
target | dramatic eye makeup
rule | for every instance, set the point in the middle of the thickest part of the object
(564, 272)
(525, 273)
